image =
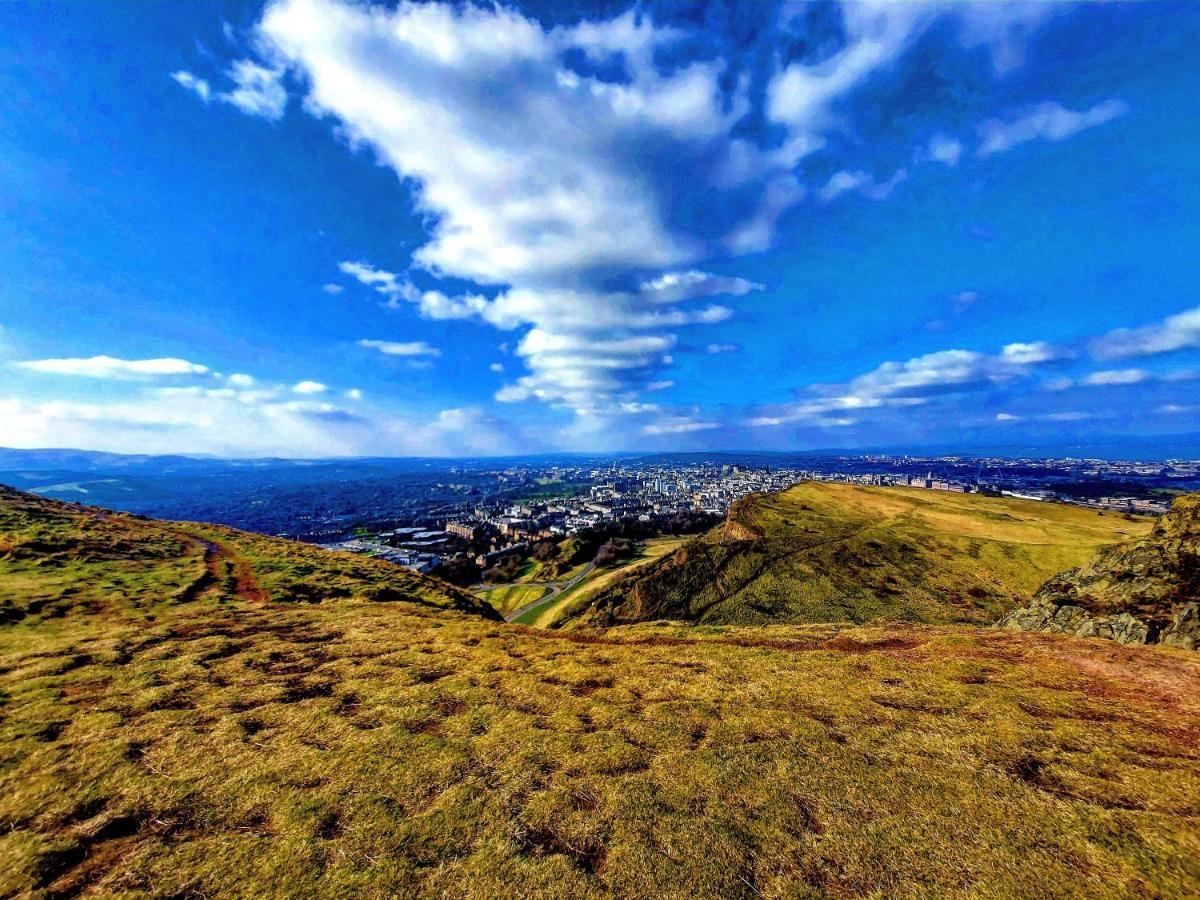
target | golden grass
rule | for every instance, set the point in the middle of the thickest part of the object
(219, 744)
(838, 552)
(599, 579)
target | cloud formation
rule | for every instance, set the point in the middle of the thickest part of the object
(111, 367)
(1177, 332)
(1047, 121)
(398, 348)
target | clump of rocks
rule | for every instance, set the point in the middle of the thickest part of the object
(1142, 592)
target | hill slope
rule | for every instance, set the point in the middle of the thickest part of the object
(225, 745)
(837, 552)
(1145, 591)
(63, 558)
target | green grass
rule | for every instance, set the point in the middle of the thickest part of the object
(596, 581)
(834, 552)
(223, 744)
(512, 596)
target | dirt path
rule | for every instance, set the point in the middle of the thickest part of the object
(219, 564)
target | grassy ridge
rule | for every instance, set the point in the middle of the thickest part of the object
(226, 745)
(61, 559)
(833, 552)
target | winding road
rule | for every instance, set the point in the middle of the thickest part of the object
(556, 588)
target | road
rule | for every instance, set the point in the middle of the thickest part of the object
(556, 588)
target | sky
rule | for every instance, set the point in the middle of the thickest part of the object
(328, 228)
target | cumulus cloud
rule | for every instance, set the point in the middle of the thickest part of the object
(570, 228)
(110, 367)
(396, 348)
(1177, 332)
(1048, 121)
(308, 387)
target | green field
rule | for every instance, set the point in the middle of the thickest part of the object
(547, 616)
(835, 552)
(506, 598)
(268, 719)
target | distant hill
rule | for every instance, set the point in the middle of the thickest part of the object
(824, 552)
(1144, 591)
(187, 710)
(62, 559)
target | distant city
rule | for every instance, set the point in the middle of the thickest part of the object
(575, 499)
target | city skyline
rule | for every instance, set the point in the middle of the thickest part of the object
(319, 228)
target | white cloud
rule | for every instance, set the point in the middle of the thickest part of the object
(258, 91)
(240, 380)
(198, 86)
(1049, 121)
(407, 348)
(672, 287)
(913, 383)
(944, 149)
(496, 367)
(1116, 376)
(660, 385)
(721, 348)
(331, 288)
(545, 220)
(354, 394)
(1033, 353)
(678, 425)
(110, 367)
(1007, 417)
(1178, 332)
(308, 387)
(861, 182)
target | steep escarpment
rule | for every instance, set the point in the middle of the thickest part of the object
(1144, 591)
(837, 552)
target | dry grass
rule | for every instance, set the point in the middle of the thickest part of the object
(834, 552)
(224, 746)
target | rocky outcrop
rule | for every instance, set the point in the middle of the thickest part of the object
(1143, 592)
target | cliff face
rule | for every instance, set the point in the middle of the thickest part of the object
(1143, 592)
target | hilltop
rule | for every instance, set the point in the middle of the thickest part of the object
(824, 552)
(1144, 591)
(259, 718)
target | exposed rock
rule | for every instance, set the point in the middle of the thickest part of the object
(1145, 591)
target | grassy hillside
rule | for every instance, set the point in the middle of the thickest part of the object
(226, 743)
(598, 580)
(60, 559)
(836, 552)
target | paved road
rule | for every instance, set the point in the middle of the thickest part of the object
(556, 588)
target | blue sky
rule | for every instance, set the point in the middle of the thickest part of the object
(327, 228)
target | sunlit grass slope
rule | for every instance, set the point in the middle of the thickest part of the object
(60, 559)
(223, 744)
(836, 552)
